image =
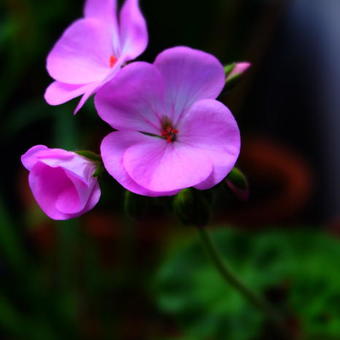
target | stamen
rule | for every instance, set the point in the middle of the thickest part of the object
(169, 133)
(112, 61)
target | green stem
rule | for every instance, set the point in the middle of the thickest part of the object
(231, 278)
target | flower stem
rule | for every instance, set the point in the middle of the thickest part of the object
(231, 278)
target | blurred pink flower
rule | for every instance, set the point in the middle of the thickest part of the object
(61, 181)
(173, 134)
(93, 49)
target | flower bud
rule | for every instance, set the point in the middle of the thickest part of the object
(238, 184)
(234, 71)
(192, 207)
(62, 182)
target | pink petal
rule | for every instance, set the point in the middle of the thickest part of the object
(80, 167)
(55, 155)
(94, 198)
(29, 158)
(75, 198)
(211, 127)
(47, 184)
(82, 54)
(68, 201)
(190, 75)
(113, 148)
(133, 30)
(41, 153)
(60, 93)
(77, 165)
(106, 12)
(132, 100)
(161, 166)
(101, 9)
(90, 90)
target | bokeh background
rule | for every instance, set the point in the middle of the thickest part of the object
(102, 276)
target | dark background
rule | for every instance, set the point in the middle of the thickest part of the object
(100, 277)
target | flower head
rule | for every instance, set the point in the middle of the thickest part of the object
(93, 49)
(61, 181)
(172, 133)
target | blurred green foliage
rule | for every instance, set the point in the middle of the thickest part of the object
(297, 270)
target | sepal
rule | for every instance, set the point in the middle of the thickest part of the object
(238, 184)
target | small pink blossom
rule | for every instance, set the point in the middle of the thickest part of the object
(172, 133)
(93, 49)
(238, 69)
(61, 181)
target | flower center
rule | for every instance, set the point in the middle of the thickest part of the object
(112, 61)
(168, 132)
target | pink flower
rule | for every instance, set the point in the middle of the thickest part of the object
(173, 134)
(61, 181)
(93, 49)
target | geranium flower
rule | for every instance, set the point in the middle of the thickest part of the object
(93, 49)
(61, 181)
(173, 134)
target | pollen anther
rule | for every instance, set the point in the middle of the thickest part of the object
(169, 133)
(112, 61)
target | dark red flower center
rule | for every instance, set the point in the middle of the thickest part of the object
(112, 61)
(168, 132)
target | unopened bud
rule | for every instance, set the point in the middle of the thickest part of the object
(238, 184)
(234, 71)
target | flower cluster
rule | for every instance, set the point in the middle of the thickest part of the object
(170, 131)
